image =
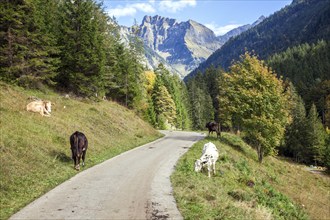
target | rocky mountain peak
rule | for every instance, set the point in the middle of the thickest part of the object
(158, 21)
(180, 46)
(260, 19)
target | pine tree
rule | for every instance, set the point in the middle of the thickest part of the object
(296, 132)
(83, 57)
(315, 138)
(327, 111)
(224, 109)
(151, 116)
(326, 159)
(28, 51)
(201, 107)
(178, 92)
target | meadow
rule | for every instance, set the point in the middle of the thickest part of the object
(245, 189)
(35, 153)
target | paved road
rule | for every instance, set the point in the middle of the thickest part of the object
(133, 185)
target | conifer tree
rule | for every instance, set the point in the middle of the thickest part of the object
(315, 138)
(201, 107)
(83, 57)
(178, 92)
(28, 51)
(296, 132)
(326, 159)
(327, 111)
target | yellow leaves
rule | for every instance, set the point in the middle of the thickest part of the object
(150, 80)
(255, 98)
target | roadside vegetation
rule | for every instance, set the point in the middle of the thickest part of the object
(245, 189)
(35, 151)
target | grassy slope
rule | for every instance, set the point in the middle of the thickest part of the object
(35, 150)
(244, 189)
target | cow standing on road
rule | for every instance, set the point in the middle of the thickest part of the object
(79, 146)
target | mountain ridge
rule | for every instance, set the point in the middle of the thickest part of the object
(179, 46)
(303, 21)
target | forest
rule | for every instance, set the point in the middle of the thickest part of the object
(280, 105)
(274, 113)
(74, 48)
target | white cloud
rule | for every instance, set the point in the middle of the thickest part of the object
(174, 6)
(131, 9)
(145, 7)
(221, 30)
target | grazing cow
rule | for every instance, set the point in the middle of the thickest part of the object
(79, 146)
(209, 157)
(213, 126)
(43, 107)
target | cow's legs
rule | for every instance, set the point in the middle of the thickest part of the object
(83, 157)
(74, 159)
(77, 167)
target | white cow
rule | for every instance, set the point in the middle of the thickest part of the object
(209, 157)
(43, 107)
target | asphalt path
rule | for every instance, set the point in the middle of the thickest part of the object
(132, 185)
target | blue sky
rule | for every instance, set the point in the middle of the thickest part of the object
(219, 15)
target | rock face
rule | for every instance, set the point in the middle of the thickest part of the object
(184, 45)
(179, 46)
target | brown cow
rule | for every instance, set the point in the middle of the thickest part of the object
(43, 107)
(79, 146)
(213, 126)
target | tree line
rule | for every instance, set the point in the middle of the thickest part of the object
(307, 67)
(266, 108)
(73, 46)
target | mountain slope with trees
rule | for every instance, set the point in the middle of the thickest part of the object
(74, 47)
(294, 44)
(303, 21)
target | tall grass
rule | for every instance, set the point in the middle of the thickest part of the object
(35, 151)
(245, 189)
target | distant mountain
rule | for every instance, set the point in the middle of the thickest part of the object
(237, 31)
(303, 21)
(179, 46)
(184, 45)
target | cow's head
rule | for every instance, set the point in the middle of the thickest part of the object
(198, 165)
(48, 105)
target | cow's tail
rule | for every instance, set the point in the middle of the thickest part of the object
(76, 142)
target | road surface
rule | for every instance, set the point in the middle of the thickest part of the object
(133, 185)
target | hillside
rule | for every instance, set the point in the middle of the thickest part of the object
(35, 151)
(303, 21)
(245, 189)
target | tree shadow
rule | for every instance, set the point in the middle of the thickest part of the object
(60, 156)
(235, 146)
(238, 146)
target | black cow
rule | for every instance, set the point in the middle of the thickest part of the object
(213, 126)
(79, 146)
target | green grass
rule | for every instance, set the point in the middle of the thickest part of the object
(35, 151)
(245, 189)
